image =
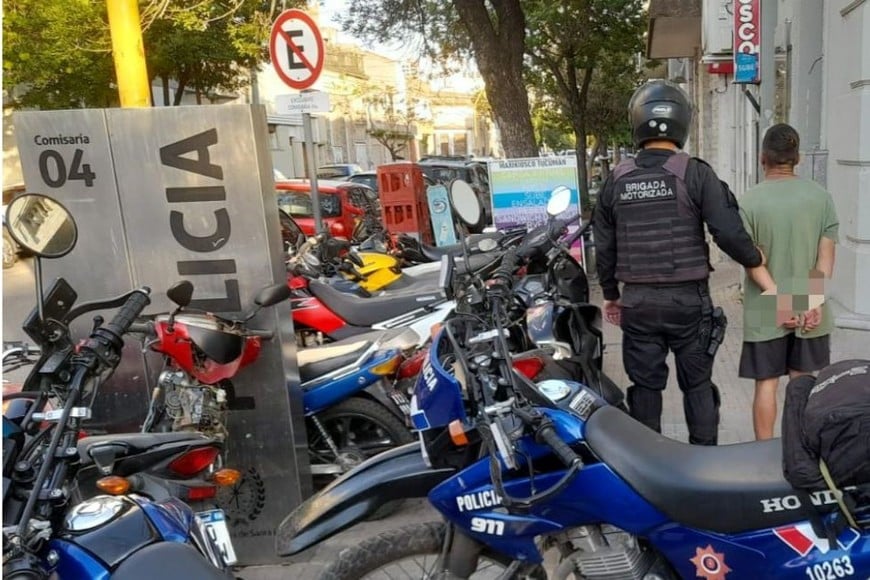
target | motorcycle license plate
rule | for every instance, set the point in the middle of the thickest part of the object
(213, 525)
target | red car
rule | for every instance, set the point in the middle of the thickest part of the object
(349, 210)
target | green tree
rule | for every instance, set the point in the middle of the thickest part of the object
(207, 46)
(390, 118)
(571, 40)
(607, 106)
(552, 130)
(492, 32)
(57, 53)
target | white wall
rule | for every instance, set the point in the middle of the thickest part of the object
(847, 136)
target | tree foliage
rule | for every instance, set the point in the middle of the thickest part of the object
(579, 55)
(572, 40)
(492, 32)
(57, 53)
(552, 129)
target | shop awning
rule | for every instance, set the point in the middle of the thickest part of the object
(674, 28)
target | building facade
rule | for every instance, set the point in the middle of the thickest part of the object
(815, 75)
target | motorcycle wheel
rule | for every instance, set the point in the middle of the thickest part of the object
(360, 428)
(410, 552)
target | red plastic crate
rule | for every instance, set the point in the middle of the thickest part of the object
(401, 182)
(409, 218)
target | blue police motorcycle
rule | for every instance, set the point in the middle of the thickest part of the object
(522, 470)
(46, 535)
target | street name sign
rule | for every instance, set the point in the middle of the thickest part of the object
(307, 102)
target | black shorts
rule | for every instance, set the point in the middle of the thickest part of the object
(774, 358)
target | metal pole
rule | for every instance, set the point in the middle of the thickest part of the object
(312, 171)
(129, 53)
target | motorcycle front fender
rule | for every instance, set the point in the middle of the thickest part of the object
(399, 473)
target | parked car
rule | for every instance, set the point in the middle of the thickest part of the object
(338, 171)
(349, 210)
(368, 178)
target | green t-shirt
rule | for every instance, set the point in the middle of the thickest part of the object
(786, 218)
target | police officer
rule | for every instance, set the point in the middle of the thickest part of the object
(649, 235)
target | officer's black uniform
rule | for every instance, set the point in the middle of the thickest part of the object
(649, 235)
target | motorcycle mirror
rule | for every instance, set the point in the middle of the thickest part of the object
(181, 293)
(41, 225)
(271, 295)
(45, 228)
(465, 203)
(560, 200)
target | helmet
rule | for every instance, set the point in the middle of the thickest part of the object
(659, 110)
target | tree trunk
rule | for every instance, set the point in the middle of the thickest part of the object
(164, 79)
(499, 47)
(179, 90)
(578, 100)
(605, 165)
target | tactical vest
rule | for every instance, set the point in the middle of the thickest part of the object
(659, 230)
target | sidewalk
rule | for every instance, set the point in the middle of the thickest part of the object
(736, 422)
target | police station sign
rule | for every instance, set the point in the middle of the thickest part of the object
(747, 42)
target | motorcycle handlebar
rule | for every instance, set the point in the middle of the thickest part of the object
(121, 322)
(570, 241)
(509, 265)
(142, 327)
(547, 434)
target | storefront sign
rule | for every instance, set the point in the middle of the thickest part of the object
(747, 41)
(521, 189)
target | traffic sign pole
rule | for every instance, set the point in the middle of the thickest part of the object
(296, 50)
(312, 172)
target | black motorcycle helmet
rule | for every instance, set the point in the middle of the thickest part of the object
(659, 110)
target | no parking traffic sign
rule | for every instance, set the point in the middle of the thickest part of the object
(296, 49)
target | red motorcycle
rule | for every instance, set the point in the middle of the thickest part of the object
(203, 353)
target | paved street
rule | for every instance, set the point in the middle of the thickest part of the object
(736, 404)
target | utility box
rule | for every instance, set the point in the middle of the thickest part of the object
(404, 205)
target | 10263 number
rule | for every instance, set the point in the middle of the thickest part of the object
(831, 570)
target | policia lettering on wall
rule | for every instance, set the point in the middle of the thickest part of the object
(192, 155)
(640, 190)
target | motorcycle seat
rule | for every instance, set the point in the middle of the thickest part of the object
(727, 489)
(359, 311)
(318, 361)
(134, 442)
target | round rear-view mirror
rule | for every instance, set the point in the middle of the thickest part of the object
(465, 203)
(560, 200)
(41, 225)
